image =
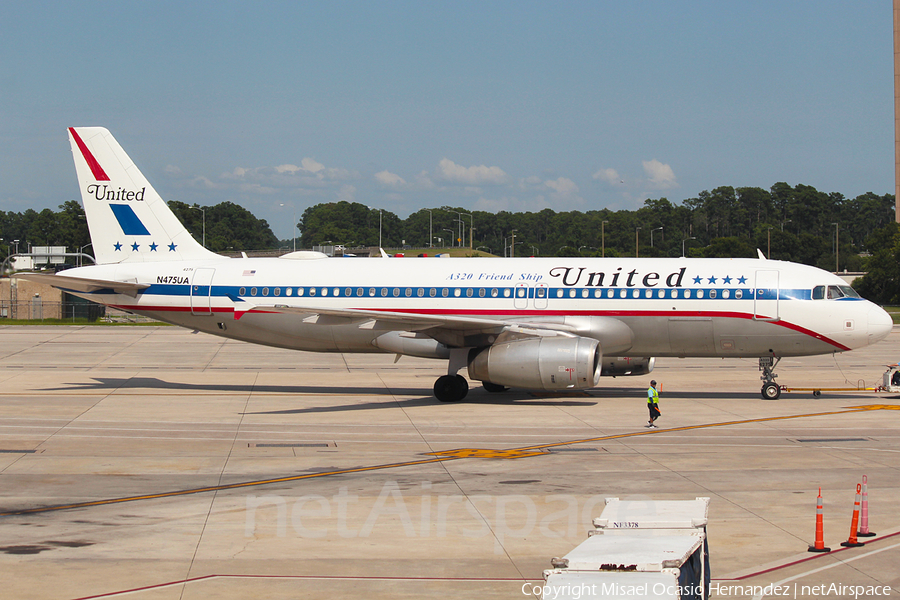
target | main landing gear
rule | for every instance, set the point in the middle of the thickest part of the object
(451, 388)
(770, 389)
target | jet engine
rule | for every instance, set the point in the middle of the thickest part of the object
(627, 365)
(539, 363)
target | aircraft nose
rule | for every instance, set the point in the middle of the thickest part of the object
(879, 324)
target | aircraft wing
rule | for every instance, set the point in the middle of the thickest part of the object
(82, 284)
(449, 329)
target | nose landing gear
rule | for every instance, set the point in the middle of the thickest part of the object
(770, 389)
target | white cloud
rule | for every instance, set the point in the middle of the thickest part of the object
(610, 176)
(661, 175)
(562, 186)
(472, 176)
(389, 179)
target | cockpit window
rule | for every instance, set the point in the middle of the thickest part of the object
(849, 291)
(834, 292)
(818, 292)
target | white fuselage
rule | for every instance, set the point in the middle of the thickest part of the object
(672, 306)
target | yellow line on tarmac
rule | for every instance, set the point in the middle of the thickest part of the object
(215, 488)
(447, 455)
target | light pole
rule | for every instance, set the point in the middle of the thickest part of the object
(837, 244)
(451, 237)
(461, 223)
(682, 244)
(603, 238)
(430, 234)
(769, 248)
(293, 225)
(203, 211)
(636, 245)
(651, 235)
(471, 228)
(512, 245)
(80, 252)
(783, 222)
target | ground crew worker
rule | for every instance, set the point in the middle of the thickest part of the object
(653, 403)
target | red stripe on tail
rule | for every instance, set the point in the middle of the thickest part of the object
(96, 169)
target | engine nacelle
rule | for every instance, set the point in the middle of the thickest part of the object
(543, 363)
(614, 366)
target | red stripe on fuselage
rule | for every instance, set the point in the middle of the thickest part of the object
(536, 312)
(96, 169)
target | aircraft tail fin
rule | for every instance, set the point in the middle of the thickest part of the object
(128, 220)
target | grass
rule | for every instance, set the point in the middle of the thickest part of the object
(894, 311)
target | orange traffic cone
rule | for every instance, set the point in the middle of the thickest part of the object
(864, 512)
(820, 527)
(852, 542)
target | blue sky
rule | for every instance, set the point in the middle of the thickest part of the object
(486, 105)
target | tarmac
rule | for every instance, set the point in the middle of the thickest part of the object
(154, 463)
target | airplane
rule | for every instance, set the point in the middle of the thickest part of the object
(540, 324)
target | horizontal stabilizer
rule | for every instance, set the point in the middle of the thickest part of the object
(81, 284)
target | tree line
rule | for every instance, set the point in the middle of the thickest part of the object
(795, 223)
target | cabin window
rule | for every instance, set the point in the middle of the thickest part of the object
(396, 292)
(287, 291)
(481, 292)
(457, 292)
(541, 292)
(687, 293)
(738, 294)
(277, 291)
(494, 293)
(384, 292)
(242, 292)
(359, 291)
(469, 292)
(432, 292)
(725, 294)
(445, 292)
(648, 294)
(520, 292)
(712, 294)
(571, 293)
(636, 294)
(408, 292)
(506, 293)
(348, 292)
(324, 291)
(420, 292)
(337, 292)
(699, 293)
(371, 291)
(584, 293)
(312, 291)
(622, 294)
(610, 293)
(597, 293)
(661, 294)
(299, 291)
(252, 291)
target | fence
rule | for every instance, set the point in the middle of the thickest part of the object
(36, 309)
